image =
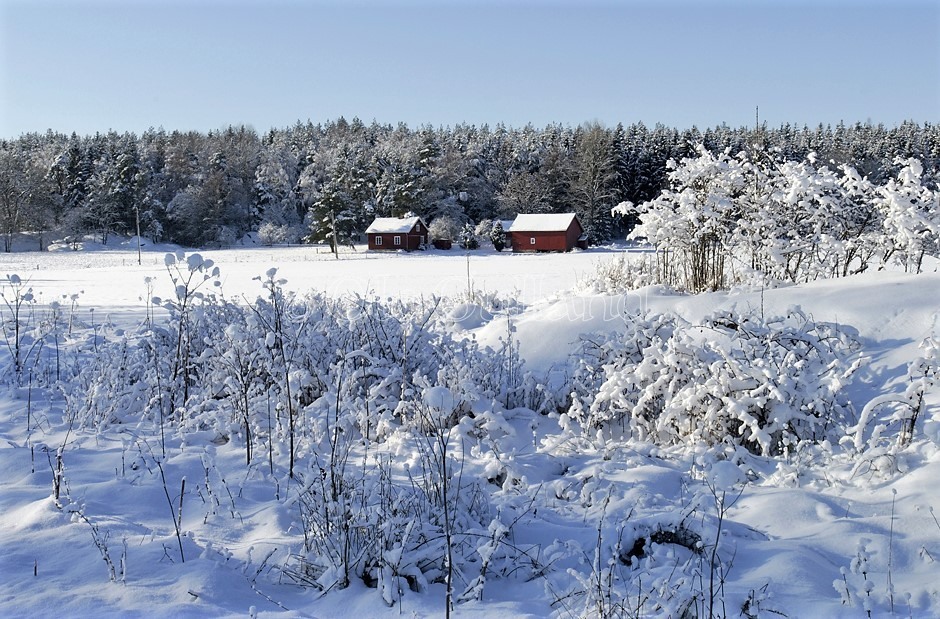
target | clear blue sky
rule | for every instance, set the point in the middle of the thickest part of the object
(87, 66)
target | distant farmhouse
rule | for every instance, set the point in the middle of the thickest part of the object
(393, 233)
(547, 232)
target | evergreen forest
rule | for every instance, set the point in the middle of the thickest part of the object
(319, 182)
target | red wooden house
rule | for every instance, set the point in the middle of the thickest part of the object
(547, 232)
(393, 233)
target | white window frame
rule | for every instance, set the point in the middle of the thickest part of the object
(396, 241)
(378, 240)
(531, 240)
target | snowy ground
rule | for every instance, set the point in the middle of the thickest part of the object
(802, 525)
(112, 278)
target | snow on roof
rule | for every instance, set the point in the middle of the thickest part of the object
(389, 225)
(554, 222)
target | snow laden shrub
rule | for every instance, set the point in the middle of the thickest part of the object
(766, 385)
(888, 422)
(444, 227)
(263, 373)
(195, 280)
(395, 527)
(753, 217)
(271, 362)
(153, 373)
(289, 365)
(395, 524)
(322, 394)
(616, 276)
(270, 233)
(36, 339)
(19, 339)
(484, 228)
(112, 385)
(802, 222)
(911, 214)
(690, 223)
(645, 557)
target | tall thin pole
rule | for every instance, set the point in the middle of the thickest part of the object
(137, 221)
(469, 284)
(335, 236)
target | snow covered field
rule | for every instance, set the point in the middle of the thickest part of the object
(571, 520)
(113, 278)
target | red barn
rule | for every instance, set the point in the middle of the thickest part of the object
(393, 233)
(547, 232)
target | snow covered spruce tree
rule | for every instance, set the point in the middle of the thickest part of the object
(594, 181)
(468, 237)
(332, 219)
(498, 236)
(276, 203)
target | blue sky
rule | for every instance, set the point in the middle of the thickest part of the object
(87, 66)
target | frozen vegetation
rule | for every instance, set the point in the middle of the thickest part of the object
(278, 433)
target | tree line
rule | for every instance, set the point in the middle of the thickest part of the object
(325, 181)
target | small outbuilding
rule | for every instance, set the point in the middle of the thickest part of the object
(547, 232)
(394, 233)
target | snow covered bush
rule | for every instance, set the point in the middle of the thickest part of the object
(691, 223)
(271, 233)
(484, 228)
(280, 370)
(17, 298)
(911, 214)
(753, 216)
(321, 392)
(804, 222)
(888, 422)
(637, 567)
(492, 230)
(617, 276)
(764, 384)
(444, 227)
